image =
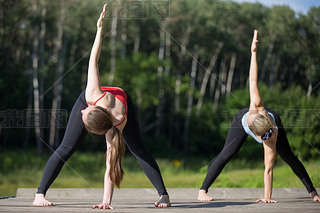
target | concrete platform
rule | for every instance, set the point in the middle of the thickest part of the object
(183, 200)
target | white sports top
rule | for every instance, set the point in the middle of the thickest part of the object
(247, 129)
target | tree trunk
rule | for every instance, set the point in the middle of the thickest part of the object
(124, 36)
(231, 71)
(84, 68)
(224, 78)
(42, 65)
(176, 132)
(167, 72)
(212, 85)
(190, 99)
(183, 46)
(274, 72)
(207, 75)
(35, 82)
(168, 52)
(29, 112)
(266, 60)
(72, 56)
(160, 108)
(74, 45)
(113, 45)
(58, 82)
(218, 89)
(136, 42)
(310, 81)
(59, 93)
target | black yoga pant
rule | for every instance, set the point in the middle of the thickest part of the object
(235, 139)
(76, 131)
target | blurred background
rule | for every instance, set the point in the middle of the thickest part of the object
(184, 63)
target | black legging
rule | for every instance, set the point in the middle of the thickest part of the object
(76, 131)
(235, 139)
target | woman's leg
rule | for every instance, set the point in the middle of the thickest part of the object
(133, 140)
(74, 133)
(235, 139)
(284, 150)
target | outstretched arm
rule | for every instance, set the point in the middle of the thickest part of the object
(93, 82)
(255, 99)
(108, 185)
(269, 157)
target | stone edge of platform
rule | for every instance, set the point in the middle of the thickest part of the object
(181, 192)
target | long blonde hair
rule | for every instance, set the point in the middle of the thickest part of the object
(99, 121)
(261, 124)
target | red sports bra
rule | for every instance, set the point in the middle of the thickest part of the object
(119, 94)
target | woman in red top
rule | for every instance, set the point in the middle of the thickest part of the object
(105, 111)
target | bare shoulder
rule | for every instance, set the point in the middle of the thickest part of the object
(92, 95)
(254, 109)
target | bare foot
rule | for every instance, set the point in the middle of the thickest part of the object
(203, 196)
(39, 200)
(164, 202)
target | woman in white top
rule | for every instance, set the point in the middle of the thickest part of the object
(265, 126)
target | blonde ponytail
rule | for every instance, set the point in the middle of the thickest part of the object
(117, 152)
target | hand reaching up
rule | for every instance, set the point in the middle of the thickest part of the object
(101, 18)
(254, 41)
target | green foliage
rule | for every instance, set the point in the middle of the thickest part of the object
(138, 75)
(193, 25)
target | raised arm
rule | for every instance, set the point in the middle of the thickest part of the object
(255, 99)
(93, 82)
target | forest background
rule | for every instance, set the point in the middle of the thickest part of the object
(184, 63)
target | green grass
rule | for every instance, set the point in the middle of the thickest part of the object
(20, 169)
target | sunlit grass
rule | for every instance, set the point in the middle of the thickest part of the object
(86, 170)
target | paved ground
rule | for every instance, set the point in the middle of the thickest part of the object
(183, 200)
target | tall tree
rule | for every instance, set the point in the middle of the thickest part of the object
(113, 41)
(136, 41)
(231, 71)
(220, 86)
(35, 82)
(59, 60)
(207, 75)
(267, 58)
(190, 98)
(160, 108)
(29, 110)
(182, 53)
(274, 71)
(310, 45)
(124, 32)
(42, 64)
